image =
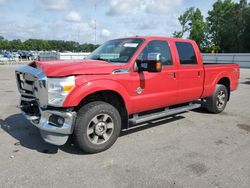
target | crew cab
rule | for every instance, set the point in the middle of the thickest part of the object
(123, 83)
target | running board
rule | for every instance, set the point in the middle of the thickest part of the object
(168, 112)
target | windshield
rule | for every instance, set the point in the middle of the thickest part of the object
(116, 51)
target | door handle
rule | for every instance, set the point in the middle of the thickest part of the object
(199, 73)
(172, 74)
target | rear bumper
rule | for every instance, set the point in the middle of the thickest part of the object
(57, 135)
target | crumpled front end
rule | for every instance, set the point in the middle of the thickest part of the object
(55, 124)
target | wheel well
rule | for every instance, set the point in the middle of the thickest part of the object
(226, 82)
(111, 97)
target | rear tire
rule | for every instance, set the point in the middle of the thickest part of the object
(97, 127)
(217, 103)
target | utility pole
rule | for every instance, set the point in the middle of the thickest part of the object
(78, 33)
(95, 20)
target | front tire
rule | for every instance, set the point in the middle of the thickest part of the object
(217, 103)
(97, 127)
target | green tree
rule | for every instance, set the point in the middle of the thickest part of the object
(16, 44)
(226, 23)
(246, 32)
(198, 28)
(38, 44)
(184, 21)
(5, 45)
(192, 22)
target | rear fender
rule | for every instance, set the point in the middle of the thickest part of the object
(209, 87)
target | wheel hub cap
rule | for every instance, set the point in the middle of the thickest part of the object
(221, 99)
(100, 128)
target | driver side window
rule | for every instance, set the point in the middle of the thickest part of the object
(157, 46)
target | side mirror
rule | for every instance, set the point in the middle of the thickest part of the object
(151, 64)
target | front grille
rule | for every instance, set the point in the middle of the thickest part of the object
(32, 84)
(26, 87)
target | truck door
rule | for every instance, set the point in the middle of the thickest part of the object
(155, 90)
(190, 72)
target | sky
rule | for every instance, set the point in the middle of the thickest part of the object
(75, 20)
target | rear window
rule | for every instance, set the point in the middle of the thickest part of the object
(186, 53)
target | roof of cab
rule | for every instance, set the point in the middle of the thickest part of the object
(159, 38)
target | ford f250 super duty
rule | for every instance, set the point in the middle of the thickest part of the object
(123, 83)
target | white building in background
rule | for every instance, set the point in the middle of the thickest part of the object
(62, 56)
(72, 56)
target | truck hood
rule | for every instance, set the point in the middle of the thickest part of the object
(60, 68)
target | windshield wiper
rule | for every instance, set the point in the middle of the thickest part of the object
(116, 61)
(101, 59)
(109, 60)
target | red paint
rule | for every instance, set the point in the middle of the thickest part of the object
(175, 84)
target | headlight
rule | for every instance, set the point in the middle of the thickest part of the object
(58, 89)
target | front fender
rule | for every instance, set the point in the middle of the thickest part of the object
(82, 91)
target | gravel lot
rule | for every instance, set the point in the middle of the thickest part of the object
(195, 149)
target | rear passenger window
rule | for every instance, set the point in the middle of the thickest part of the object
(186, 53)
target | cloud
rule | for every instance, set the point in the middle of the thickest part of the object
(19, 30)
(146, 24)
(2, 2)
(121, 7)
(92, 24)
(105, 33)
(162, 6)
(54, 4)
(73, 16)
(115, 18)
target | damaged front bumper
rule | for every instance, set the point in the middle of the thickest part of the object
(55, 124)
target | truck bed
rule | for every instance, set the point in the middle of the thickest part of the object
(204, 63)
(216, 71)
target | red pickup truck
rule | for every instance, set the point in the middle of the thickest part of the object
(123, 83)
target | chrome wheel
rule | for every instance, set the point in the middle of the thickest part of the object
(221, 99)
(100, 129)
